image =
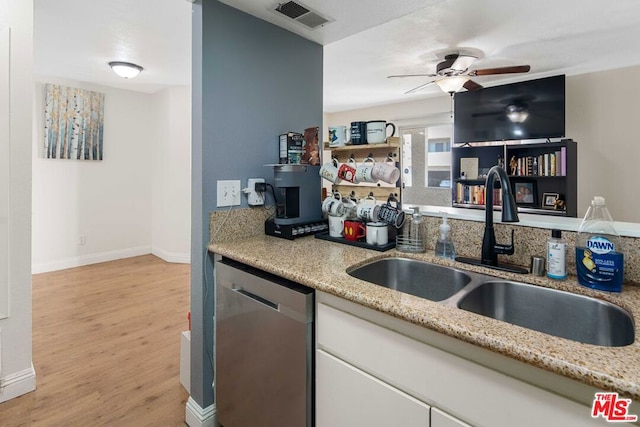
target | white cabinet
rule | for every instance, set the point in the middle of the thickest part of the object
(442, 419)
(467, 392)
(347, 396)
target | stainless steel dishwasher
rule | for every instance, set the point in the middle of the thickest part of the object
(264, 348)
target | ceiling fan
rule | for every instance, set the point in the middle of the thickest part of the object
(454, 73)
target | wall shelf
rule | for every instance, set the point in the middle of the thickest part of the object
(556, 157)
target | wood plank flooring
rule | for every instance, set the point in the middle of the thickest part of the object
(106, 346)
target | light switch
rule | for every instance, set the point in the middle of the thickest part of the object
(228, 193)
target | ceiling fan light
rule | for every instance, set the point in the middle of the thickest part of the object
(517, 116)
(125, 70)
(517, 113)
(452, 84)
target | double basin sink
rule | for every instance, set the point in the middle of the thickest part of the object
(559, 313)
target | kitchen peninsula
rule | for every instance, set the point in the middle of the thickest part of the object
(538, 361)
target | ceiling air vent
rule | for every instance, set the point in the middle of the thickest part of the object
(301, 14)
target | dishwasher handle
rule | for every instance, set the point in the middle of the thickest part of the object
(257, 298)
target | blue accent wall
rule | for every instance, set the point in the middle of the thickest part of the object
(252, 81)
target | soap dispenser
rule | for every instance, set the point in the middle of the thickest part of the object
(444, 244)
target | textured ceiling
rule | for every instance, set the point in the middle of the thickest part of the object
(365, 42)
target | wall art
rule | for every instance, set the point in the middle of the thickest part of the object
(74, 123)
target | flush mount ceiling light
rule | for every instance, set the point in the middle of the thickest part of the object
(125, 70)
(452, 84)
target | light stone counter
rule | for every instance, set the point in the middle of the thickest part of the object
(322, 265)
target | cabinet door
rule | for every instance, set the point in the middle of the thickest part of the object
(442, 419)
(347, 396)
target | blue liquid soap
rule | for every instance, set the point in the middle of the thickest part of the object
(599, 258)
(444, 244)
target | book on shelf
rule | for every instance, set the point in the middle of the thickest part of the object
(546, 164)
(475, 195)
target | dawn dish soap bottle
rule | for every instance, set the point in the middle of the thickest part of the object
(599, 258)
(444, 244)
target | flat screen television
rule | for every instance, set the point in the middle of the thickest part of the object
(532, 109)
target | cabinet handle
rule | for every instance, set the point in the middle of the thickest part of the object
(257, 298)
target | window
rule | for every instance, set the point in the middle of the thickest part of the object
(426, 156)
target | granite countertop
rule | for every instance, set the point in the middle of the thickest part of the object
(322, 265)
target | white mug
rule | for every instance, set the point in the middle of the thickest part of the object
(336, 225)
(377, 131)
(350, 207)
(364, 172)
(329, 171)
(377, 233)
(368, 211)
(333, 205)
(386, 171)
(337, 136)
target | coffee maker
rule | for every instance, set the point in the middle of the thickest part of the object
(299, 204)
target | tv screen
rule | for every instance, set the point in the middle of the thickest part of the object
(527, 110)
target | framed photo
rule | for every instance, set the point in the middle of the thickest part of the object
(525, 192)
(549, 200)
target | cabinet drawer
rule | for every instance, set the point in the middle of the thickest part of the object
(442, 419)
(346, 396)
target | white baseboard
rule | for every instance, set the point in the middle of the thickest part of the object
(17, 384)
(195, 416)
(90, 259)
(175, 257)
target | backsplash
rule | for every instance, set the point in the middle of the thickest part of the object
(226, 225)
(467, 237)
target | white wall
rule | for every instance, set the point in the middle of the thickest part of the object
(171, 172)
(136, 201)
(16, 372)
(108, 201)
(601, 115)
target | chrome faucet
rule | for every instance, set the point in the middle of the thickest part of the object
(491, 249)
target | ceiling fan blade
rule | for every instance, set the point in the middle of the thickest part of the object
(501, 70)
(419, 88)
(470, 85)
(411, 75)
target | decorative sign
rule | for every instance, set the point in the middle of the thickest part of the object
(74, 123)
(469, 167)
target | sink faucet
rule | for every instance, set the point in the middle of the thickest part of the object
(491, 249)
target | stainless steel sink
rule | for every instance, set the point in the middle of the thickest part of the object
(562, 314)
(422, 279)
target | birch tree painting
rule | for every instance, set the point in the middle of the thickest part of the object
(74, 123)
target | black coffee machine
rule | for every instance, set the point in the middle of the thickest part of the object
(299, 204)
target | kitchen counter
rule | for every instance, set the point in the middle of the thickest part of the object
(322, 265)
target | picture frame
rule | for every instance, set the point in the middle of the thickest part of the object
(549, 200)
(525, 192)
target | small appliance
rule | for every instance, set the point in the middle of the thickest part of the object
(299, 209)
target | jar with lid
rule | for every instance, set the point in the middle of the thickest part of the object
(412, 237)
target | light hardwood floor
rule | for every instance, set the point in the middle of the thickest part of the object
(106, 346)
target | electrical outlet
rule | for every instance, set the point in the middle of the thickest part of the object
(228, 193)
(254, 198)
(82, 239)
